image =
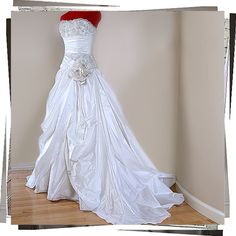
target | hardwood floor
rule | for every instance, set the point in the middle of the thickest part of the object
(29, 208)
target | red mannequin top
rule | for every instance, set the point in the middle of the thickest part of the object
(92, 16)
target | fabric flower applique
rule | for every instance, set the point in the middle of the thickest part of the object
(81, 69)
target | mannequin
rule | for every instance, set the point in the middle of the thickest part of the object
(92, 16)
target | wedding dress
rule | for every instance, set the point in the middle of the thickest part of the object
(87, 151)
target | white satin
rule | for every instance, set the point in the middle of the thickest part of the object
(77, 44)
(90, 155)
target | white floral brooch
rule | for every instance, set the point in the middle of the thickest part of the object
(82, 68)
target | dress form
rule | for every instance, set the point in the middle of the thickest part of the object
(92, 16)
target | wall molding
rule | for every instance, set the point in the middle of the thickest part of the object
(168, 179)
(200, 206)
(22, 166)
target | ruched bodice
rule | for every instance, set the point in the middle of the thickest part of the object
(78, 45)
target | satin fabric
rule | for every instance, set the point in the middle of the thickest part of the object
(89, 154)
(77, 44)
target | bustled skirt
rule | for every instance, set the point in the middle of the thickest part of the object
(88, 153)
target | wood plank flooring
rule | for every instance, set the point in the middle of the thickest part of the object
(28, 208)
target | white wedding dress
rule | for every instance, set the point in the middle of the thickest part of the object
(87, 151)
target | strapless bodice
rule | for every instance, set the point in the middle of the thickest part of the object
(78, 35)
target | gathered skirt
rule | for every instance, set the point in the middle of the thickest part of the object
(88, 153)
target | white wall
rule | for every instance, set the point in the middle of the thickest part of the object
(200, 168)
(136, 51)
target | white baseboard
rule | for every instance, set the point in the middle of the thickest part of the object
(200, 206)
(168, 179)
(22, 166)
